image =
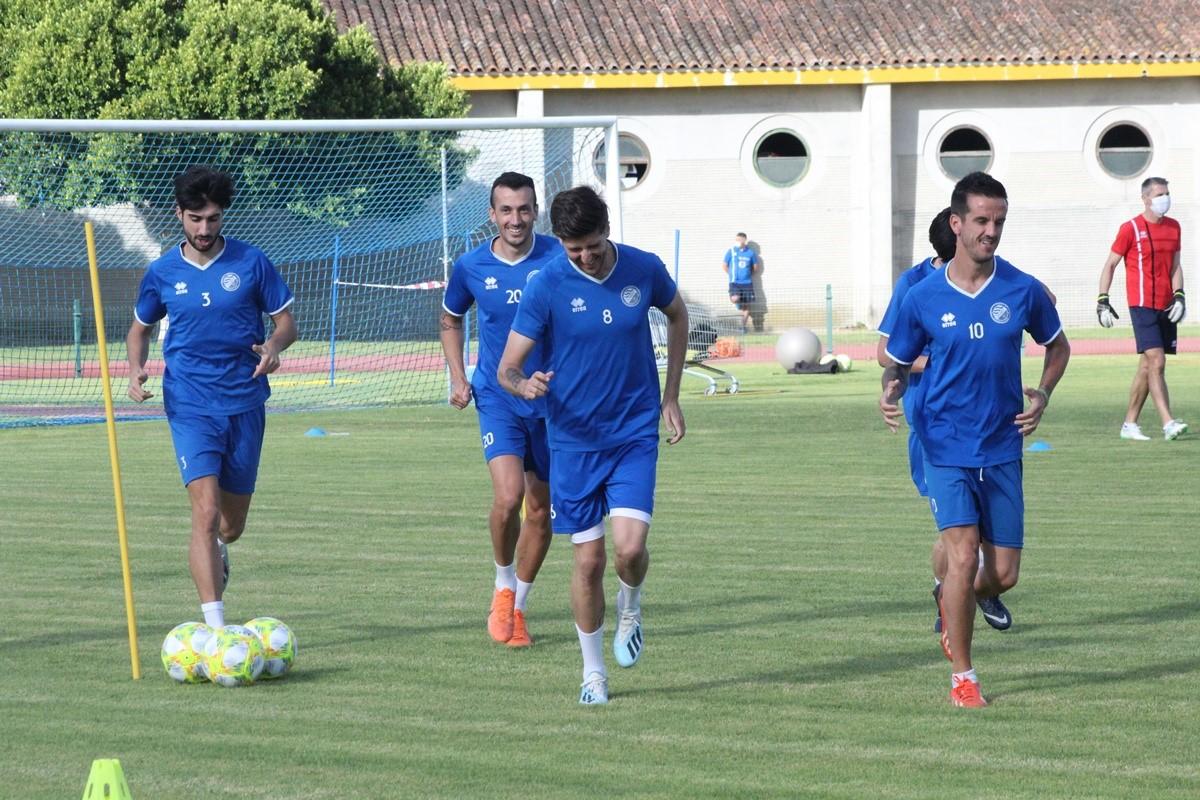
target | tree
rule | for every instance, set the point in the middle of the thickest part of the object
(194, 59)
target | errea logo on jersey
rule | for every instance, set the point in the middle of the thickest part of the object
(948, 320)
(577, 304)
(180, 288)
(489, 283)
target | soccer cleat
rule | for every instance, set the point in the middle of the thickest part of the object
(500, 615)
(1174, 429)
(594, 690)
(627, 642)
(1133, 432)
(520, 634)
(223, 550)
(944, 639)
(937, 621)
(966, 694)
(995, 612)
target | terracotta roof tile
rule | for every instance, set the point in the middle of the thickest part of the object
(531, 37)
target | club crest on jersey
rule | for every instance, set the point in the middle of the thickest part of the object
(948, 320)
(489, 283)
(1000, 313)
(631, 296)
(230, 281)
(529, 277)
(180, 288)
(577, 305)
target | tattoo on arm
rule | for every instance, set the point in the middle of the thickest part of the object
(514, 377)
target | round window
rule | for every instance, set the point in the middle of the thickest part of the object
(633, 164)
(963, 151)
(1124, 150)
(781, 158)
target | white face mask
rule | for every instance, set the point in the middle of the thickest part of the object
(1161, 204)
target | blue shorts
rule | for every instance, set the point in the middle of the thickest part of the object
(504, 433)
(1152, 329)
(228, 447)
(587, 486)
(916, 463)
(990, 497)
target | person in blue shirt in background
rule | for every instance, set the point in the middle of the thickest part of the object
(740, 264)
(944, 242)
(214, 290)
(591, 309)
(972, 417)
(493, 277)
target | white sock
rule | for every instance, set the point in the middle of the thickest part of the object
(629, 598)
(523, 589)
(592, 645)
(958, 677)
(214, 613)
(506, 577)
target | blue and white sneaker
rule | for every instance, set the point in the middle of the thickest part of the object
(223, 550)
(594, 690)
(995, 612)
(627, 642)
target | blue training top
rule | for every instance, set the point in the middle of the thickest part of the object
(605, 386)
(215, 314)
(495, 286)
(740, 261)
(908, 279)
(973, 380)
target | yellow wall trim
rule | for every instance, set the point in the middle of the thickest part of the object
(829, 77)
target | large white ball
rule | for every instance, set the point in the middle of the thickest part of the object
(234, 656)
(183, 652)
(795, 345)
(279, 645)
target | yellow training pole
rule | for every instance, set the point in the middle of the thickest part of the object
(111, 423)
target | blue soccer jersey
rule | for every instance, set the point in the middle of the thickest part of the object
(908, 279)
(973, 380)
(495, 287)
(605, 387)
(215, 314)
(740, 261)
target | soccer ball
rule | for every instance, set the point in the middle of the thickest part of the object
(234, 656)
(279, 645)
(183, 652)
(796, 345)
(844, 362)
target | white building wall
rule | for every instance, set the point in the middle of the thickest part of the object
(1064, 210)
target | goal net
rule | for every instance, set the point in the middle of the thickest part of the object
(362, 218)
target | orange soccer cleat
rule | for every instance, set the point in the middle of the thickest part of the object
(500, 615)
(965, 694)
(520, 634)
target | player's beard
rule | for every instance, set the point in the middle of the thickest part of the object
(201, 246)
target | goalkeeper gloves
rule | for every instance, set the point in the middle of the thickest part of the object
(1105, 312)
(1177, 309)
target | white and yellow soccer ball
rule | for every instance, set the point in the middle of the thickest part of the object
(279, 645)
(183, 652)
(234, 656)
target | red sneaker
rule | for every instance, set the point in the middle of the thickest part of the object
(965, 694)
(500, 615)
(520, 634)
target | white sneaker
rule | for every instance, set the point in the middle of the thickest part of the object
(627, 641)
(1174, 428)
(1131, 430)
(594, 690)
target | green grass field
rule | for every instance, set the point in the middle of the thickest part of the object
(789, 650)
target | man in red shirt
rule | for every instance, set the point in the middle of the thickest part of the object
(1149, 244)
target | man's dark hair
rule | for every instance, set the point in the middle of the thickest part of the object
(197, 186)
(941, 236)
(976, 183)
(576, 213)
(739, 233)
(514, 181)
(1146, 184)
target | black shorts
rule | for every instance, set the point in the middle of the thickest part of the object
(744, 292)
(1152, 329)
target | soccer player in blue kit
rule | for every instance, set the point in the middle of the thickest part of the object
(973, 417)
(214, 290)
(944, 242)
(513, 430)
(602, 409)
